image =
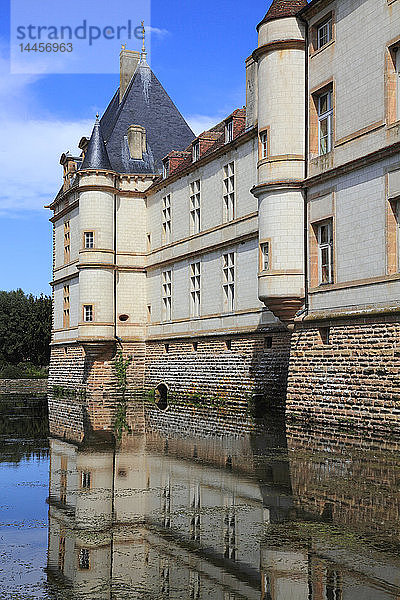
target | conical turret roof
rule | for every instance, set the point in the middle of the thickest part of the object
(283, 8)
(96, 156)
(146, 103)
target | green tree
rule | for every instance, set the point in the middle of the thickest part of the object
(25, 328)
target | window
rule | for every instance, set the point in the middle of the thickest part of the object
(166, 219)
(230, 532)
(265, 256)
(84, 558)
(325, 122)
(67, 242)
(61, 552)
(166, 295)
(63, 480)
(324, 32)
(86, 478)
(229, 280)
(229, 131)
(229, 192)
(325, 252)
(195, 280)
(88, 313)
(268, 343)
(196, 151)
(89, 239)
(195, 509)
(149, 313)
(264, 144)
(66, 307)
(195, 207)
(165, 168)
(148, 242)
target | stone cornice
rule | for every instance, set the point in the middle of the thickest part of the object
(277, 185)
(290, 44)
(357, 163)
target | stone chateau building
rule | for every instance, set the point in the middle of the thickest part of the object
(260, 257)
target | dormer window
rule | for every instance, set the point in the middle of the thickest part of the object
(165, 168)
(196, 151)
(229, 131)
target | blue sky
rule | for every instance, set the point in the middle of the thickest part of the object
(198, 55)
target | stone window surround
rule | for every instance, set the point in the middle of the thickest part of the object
(313, 45)
(85, 233)
(229, 191)
(314, 260)
(392, 91)
(264, 130)
(315, 94)
(84, 320)
(262, 243)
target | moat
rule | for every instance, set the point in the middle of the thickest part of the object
(285, 512)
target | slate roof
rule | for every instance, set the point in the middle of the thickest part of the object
(96, 156)
(144, 103)
(283, 8)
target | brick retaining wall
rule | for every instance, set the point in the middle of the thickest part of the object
(353, 380)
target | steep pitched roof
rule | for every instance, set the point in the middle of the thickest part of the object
(145, 103)
(283, 8)
(96, 156)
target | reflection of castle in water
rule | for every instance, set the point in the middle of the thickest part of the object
(204, 518)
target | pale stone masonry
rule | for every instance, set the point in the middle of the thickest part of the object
(266, 248)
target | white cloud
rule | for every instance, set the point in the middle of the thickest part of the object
(29, 155)
(157, 31)
(200, 123)
(30, 149)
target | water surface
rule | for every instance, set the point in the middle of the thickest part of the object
(292, 514)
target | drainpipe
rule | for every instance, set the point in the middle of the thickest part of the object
(115, 259)
(304, 311)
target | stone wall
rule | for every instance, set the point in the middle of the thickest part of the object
(229, 368)
(23, 386)
(353, 379)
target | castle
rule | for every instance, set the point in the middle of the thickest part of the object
(259, 259)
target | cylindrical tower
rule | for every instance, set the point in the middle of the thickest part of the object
(281, 123)
(97, 255)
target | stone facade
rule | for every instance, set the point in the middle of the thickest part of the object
(281, 222)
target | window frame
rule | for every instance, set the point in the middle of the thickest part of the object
(85, 240)
(195, 288)
(67, 241)
(328, 21)
(166, 295)
(264, 144)
(85, 313)
(229, 279)
(195, 207)
(166, 219)
(229, 191)
(66, 306)
(325, 115)
(322, 246)
(229, 130)
(196, 151)
(264, 243)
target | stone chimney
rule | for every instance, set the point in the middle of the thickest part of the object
(137, 141)
(128, 61)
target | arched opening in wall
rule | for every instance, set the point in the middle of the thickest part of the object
(258, 406)
(161, 396)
